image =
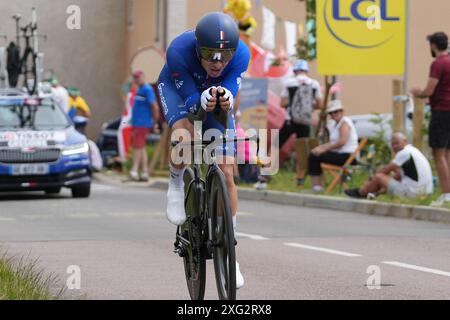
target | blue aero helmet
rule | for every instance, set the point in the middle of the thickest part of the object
(217, 37)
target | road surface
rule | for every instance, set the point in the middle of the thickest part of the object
(122, 243)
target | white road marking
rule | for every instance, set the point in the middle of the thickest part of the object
(6, 219)
(417, 268)
(303, 246)
(102, 187)
(245, 213)
(251, 236)
(38, 216)
(80, 215)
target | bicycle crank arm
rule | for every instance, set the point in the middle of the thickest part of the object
(183, 241)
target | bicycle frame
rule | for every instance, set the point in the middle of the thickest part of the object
(203, 187)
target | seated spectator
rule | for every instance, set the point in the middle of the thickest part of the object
(408, 175)
(343, 142)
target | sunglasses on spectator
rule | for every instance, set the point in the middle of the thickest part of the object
(334, 112)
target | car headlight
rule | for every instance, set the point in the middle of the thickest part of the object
(75, 149)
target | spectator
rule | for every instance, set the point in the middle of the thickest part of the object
(145, 116)
(78, 106)
(60, 94)
(301, 95)
(438, 91)
(245, 170)
(240, 10)
(408, 175)
(343, 142)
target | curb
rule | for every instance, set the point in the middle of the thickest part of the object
(313, 201)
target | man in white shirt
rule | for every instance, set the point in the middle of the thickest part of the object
(408, 175)
(60, 95)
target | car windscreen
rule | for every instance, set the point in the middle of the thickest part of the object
(44, 116)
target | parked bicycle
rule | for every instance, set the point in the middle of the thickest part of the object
(24, 63)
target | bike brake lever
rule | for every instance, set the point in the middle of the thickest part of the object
(218, 96)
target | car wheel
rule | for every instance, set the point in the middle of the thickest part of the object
(53, 190)
(81, 191)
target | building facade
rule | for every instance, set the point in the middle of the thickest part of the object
(90, 56)
(117, 36)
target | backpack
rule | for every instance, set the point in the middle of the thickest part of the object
(301, 103)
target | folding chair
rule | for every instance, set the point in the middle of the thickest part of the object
(340, 172)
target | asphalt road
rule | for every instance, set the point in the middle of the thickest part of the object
(122, 243)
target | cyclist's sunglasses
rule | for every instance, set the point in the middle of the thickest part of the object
(213, 55)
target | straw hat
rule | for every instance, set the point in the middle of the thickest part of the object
(335, 105)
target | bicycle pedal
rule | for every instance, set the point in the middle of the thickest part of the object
(180, 252)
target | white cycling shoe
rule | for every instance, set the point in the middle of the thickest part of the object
(176, 213)
(239, 277)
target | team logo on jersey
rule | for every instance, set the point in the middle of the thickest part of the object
(179, 83)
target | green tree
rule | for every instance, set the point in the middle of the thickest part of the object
(307, 45)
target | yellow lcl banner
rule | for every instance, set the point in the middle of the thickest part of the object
(361, 37)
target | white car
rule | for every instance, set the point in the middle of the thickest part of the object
(370, 125)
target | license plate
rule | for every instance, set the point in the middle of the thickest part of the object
(30, 169)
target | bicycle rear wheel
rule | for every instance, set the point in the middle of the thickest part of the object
(29, 71)
(194, 261)
(224, 254)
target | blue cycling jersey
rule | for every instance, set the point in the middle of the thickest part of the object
(184, 76)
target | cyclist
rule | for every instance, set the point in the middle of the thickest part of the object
(199, 64)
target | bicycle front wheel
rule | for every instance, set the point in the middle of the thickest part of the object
(29, 71)
(194, 261)
(224, 254)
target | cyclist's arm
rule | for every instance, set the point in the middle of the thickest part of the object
(233, 79)
(185, 83)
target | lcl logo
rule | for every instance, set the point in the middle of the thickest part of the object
(347, 21)
(355, 12)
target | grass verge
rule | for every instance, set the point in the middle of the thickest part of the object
(285, 181)
(22, 279)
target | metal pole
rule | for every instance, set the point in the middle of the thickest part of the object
(158, 21)
(166, 25)
(406, 71)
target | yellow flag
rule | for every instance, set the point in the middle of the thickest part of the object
(361, 37)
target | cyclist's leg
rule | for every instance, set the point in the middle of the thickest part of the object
(181, 129)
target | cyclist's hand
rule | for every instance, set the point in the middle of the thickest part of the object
(226, 99)
(208, 99)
